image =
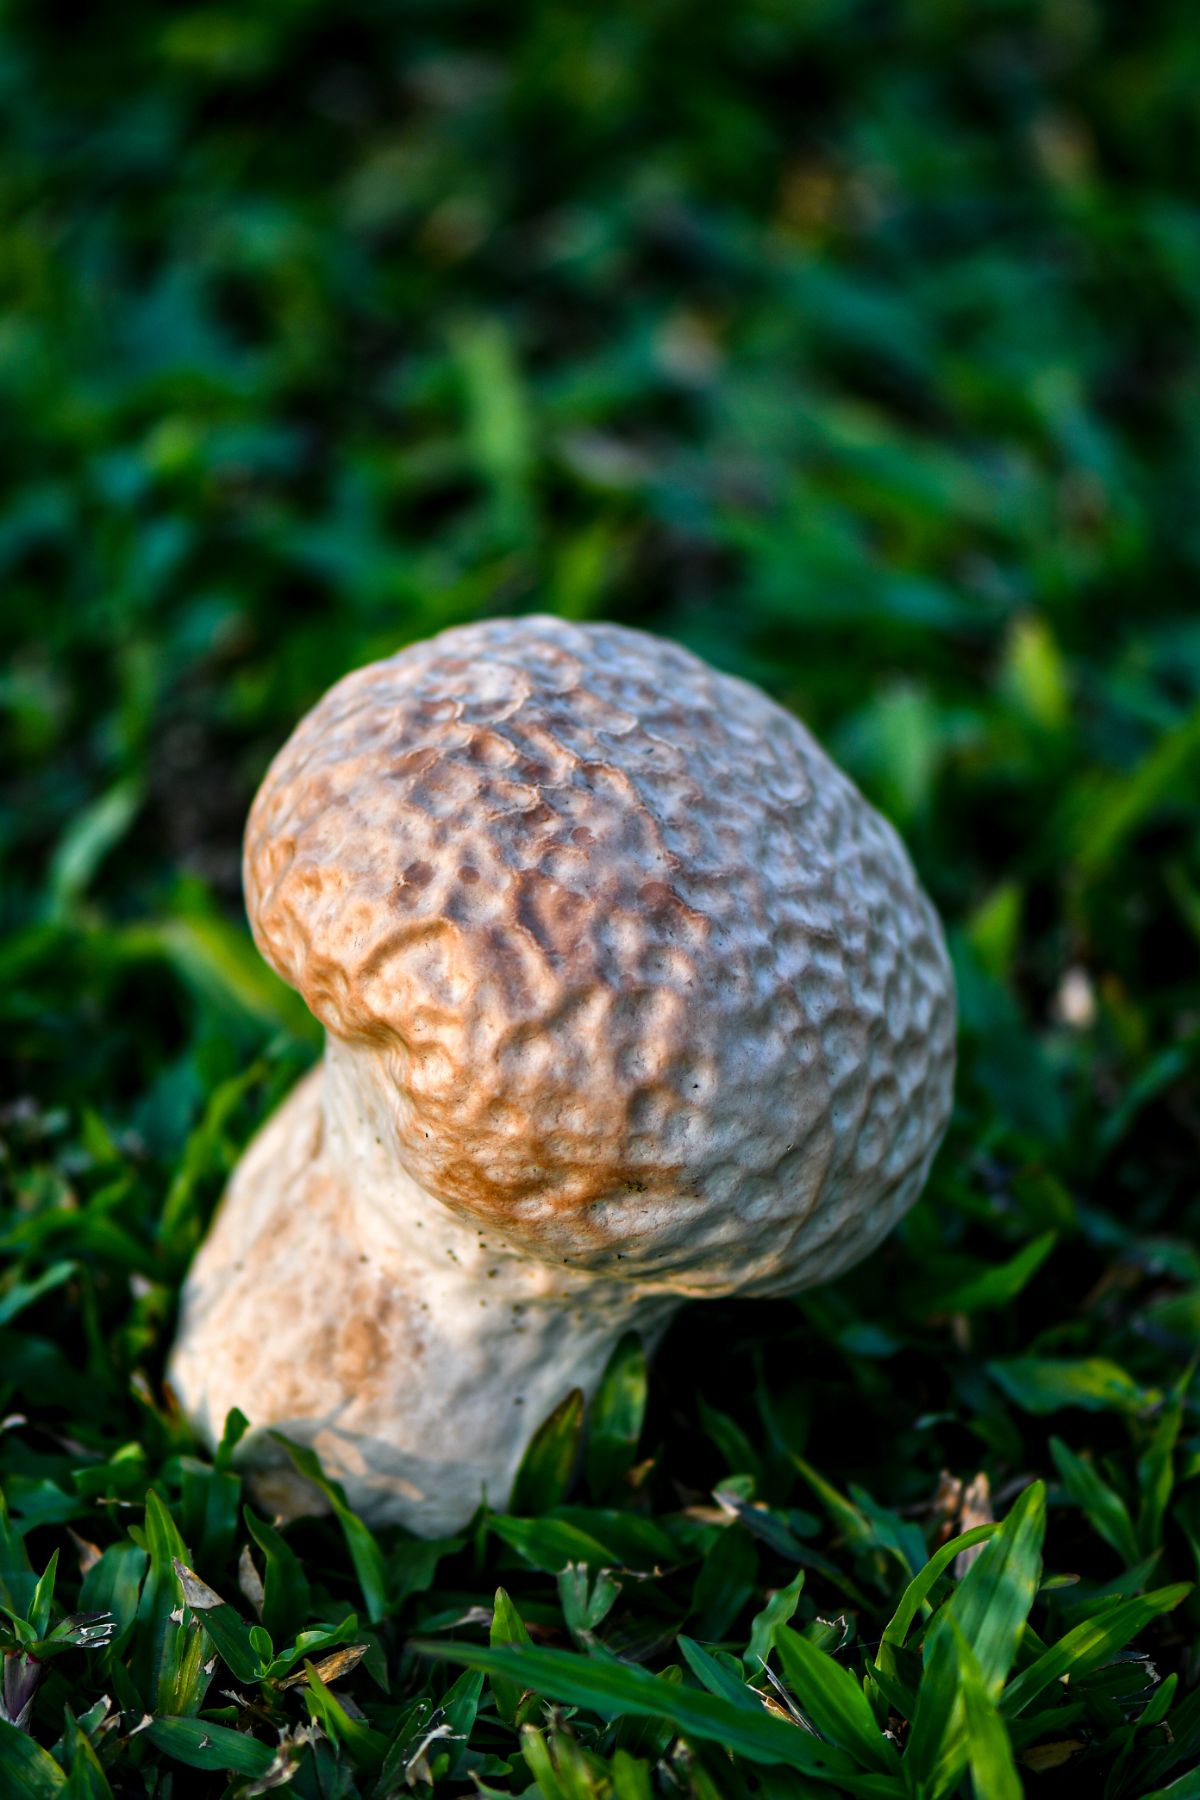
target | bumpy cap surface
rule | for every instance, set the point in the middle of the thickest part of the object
(648, 985)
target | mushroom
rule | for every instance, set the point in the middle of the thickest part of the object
(630, 997)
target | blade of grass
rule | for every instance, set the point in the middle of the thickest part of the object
(507, 1628)
(616, 1690)
(1102, 1505)
(203, 1745)
(922, 1584)
(1156, 1476)
(365, 1553)
(86, 1779)
(778, 1611)
(989, 1753)
(834, 1701)
(615, 1418)
(993, 1600)
(933, 1754)
(26, 1770)
(1090, 1645)
(548, 1465)
(994, 1286)
(715, 1676)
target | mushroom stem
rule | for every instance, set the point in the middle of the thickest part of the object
(443, 1344)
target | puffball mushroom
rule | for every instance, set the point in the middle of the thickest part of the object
(630, 997)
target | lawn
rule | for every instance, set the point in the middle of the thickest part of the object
(857, 346)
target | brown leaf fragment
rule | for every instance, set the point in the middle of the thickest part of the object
(945, 1504)
(417, 1767)
(280, 1772)
(250, 1581)
(88, 1553)
(196, 1593)
(1052, 1755)
(332, 1667)
(976, 1509)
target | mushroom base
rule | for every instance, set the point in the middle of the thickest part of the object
(339, 1305)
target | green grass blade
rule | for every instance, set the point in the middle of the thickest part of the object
(86, 1779)
(1184, 1746)
(616, 1690)
(550, 1544)
(778, 1611)
(24, 1294)
(172, 1650)
(1103, 1506)
(1090, 1645)
(993, 1600)
(548, 1465)
(615, 1417)
(507, 1628)
(18, 1583)
(202, 1745)
(922, 1584)
(1156, 1476)
(834, 1701)
(995, 1286)
(1093, 1383)
(934, 1752)
(365, 1553)
(367, 1746)
(715, 1675)
(285, 1585)
(43, 1597)
(989, 1753)
(1186, 1788)
(27, 1772)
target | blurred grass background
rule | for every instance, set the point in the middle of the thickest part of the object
(858, 346)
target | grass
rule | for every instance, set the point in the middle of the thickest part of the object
(856, 346)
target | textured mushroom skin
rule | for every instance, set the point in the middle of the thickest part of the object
(649, 977)
(621, 975)
(338, 1304)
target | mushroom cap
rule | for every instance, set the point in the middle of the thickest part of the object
(645, 983)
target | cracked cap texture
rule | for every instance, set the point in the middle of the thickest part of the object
(648, 986)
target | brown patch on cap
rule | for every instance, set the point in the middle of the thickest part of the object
(539, 870)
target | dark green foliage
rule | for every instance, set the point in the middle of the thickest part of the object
(857, 345)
